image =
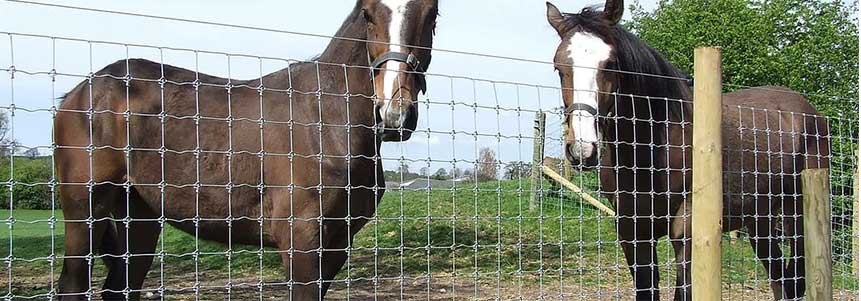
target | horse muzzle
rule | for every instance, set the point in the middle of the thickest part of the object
(396, 124)
(582, 155)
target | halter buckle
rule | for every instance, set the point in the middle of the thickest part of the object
(407, 58)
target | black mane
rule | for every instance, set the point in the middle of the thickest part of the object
(644, 71)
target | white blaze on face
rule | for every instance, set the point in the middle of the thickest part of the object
(587, 52)
(390, 69)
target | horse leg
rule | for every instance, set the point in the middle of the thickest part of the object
(765, 243)
(301, 256)
(641, 255)
(793, 285)
(83, 237)
(137, 243)
(682, 248)
(334, 255)
(112, 258)
(680, 235)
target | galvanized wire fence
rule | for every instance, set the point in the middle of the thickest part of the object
(743, 273)
(455, 220)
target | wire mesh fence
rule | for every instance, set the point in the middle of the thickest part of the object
(743, 274)
(453, 219)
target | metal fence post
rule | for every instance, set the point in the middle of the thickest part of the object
(707, 184)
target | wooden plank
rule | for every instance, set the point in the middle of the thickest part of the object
(576, 189)
(733, 236)
(707, 208)
(817, 234)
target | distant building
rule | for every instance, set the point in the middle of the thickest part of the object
(425, 183)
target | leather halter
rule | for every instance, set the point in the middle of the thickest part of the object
(579, 106)
(410, 60)
(594, 111)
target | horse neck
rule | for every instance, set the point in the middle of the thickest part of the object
(654, 82)
(656, 99)
(347, 56)
(344, 67)
(650, 106)
(349, 47)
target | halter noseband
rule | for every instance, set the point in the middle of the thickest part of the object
(410, 60)
(579, 106)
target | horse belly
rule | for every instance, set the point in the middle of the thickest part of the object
(221, 192)
(761, 162)
(211, 213)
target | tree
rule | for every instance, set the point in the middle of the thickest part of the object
(7, 142)
(440, 174)
(486, 165)
(468, 173)
(517, 170)
(404, 169)
(31, 153)
(424, 172)
(456, 173)
(28, 192)
(808, 46)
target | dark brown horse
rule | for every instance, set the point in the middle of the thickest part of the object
(631, 110)
(290, 160)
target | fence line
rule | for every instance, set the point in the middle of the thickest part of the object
(473, 246)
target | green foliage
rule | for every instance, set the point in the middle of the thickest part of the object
(397, 176)
(441, 174)
(401, 174)
(30, 183)
(809, 46)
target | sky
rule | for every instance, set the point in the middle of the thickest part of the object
(507, 28)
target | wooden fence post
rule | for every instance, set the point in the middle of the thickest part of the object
(855, 219)
(537, 160)
(567, 168)
(817, 233)
(707, 176)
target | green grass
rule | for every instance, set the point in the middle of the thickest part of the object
(467, 233)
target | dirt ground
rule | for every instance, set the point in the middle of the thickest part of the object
(214, 286)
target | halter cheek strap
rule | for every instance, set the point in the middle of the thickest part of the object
(410, 60)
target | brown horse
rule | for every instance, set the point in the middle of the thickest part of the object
(631, 109)
(290, 160)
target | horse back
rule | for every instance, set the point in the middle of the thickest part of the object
(194, 145)
(770, 134)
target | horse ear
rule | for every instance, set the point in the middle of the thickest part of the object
(613, 11)
(555, 17)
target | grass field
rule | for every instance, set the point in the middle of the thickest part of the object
(478, 242)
